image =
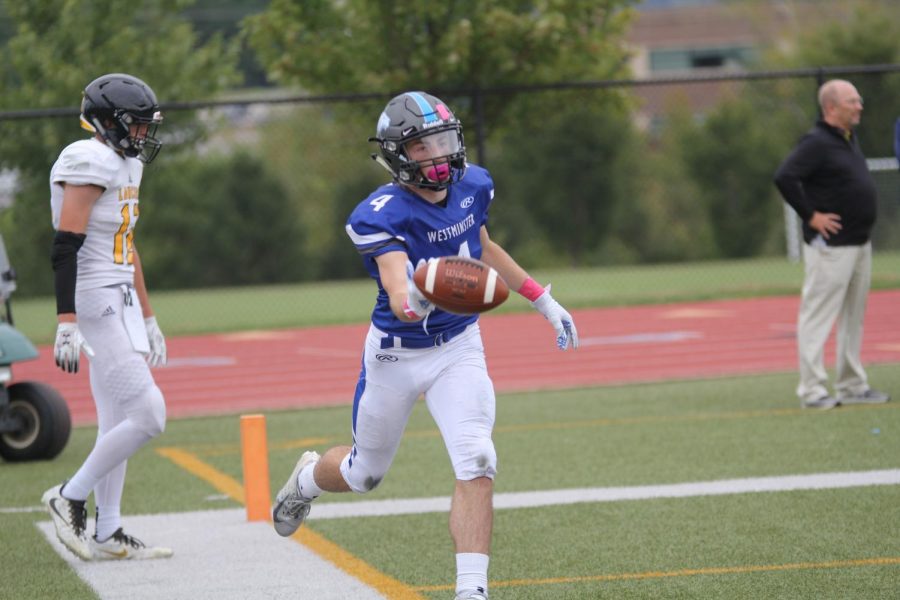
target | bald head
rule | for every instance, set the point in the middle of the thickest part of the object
(841, 104)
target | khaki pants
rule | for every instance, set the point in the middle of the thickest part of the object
(835, 287)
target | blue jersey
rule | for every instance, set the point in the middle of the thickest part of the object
(395, 218)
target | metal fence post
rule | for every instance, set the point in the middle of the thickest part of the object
(478, 101)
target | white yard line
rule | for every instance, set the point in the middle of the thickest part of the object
(643, 338)
(220, 556)
(819, 481)
(22, 509)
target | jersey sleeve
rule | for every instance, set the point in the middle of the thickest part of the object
(85, 164)
(484, 185)
(489, 200)
(378, 224)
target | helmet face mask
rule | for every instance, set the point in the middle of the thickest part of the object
(421, 142)
(123, 110)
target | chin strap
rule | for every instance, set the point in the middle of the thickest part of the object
(380, 160)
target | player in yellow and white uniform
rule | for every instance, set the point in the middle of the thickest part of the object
(107, 255)
(103, 307)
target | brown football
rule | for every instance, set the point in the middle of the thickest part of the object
(461, 285)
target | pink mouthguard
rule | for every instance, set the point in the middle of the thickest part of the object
(438, 172)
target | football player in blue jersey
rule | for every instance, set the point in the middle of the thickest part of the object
(436, 205)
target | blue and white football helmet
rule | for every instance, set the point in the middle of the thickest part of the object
(414, 116)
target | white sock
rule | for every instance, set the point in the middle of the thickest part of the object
(109, 519)
(111, 449)
(307, 484)
(471, 572)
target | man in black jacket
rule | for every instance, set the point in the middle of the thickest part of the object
(826, 181)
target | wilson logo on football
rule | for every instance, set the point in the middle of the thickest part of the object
(467, 202)
(386, 357)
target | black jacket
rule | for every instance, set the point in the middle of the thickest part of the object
(827, 173)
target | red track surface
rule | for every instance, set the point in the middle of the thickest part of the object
(294, 368)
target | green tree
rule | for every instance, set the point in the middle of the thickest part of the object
(731, 157)
(454, 49)
(664, 220)
(230, 221)
(866, 32)
(320, 157)
(557, 197)
(329, 46)
(58, 47)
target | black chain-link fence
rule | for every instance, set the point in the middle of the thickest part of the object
(594, 174)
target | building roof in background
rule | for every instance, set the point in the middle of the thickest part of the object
(693, 25)
(654, 4)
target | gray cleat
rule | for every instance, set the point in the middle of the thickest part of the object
(290, 507)
(822, 403)
(869, 396)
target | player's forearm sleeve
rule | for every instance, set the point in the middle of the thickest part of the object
(64, 257)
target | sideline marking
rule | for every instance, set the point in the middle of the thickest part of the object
(697, 313)
(512, 500)
(345, 561)
(218, 556)
(835, 564)
(23, 509)
(200, 361)
(642, 338)
(257, 335)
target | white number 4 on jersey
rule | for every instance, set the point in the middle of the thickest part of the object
(380, 201)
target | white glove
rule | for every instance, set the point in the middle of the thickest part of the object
(560, 319)
(68, 346)
(157, 354)
(416, 303)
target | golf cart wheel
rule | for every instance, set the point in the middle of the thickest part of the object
(45, 419)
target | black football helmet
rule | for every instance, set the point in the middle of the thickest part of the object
(414, 116)
(112, 104)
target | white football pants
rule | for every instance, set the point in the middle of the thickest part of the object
(458, 393)
(130, 407)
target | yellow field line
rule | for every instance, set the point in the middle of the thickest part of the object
(350, 564)
(190, 463)
(390, 587)
(209, 450)
(836, 564)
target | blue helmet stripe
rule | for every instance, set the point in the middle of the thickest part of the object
(428, 112)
